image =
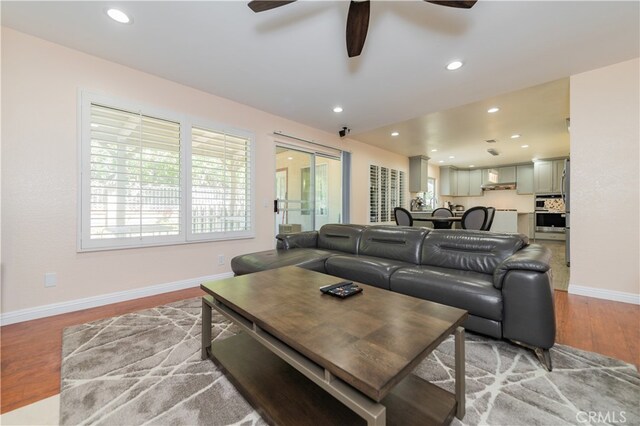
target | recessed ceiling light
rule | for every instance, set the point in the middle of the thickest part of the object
(289, 158)
(451, 156)
(516, 136)
(434, 150)
(441, 161)
(493, 109)
(118, 16)
(525, 146)
(451, 66)
(471, 165)
(395, 133)
(337, 109)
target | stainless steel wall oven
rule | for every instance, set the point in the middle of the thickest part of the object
(550, 214)
(550, 222)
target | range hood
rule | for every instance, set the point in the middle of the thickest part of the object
(499, 186)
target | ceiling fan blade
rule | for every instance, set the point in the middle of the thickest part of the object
(262, 5)
(357, 26)
(463, 4)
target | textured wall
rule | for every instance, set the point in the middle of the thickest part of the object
(40, 83)
(605, 134)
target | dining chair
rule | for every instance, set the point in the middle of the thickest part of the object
(403, 217)
(491, 212)
(442, 212)
(475, 218)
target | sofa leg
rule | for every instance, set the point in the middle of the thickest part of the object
(543, 355)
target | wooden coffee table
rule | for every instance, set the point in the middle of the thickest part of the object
(309, 358)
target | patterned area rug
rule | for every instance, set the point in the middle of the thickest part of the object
(144, 368)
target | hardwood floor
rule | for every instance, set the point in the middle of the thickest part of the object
(31, 351)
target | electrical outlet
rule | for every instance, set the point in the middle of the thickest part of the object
(50, 279)
(221, 259)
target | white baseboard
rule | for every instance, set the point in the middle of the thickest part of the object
(618, 296)
(105, 299)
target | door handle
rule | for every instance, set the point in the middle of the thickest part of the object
(275, 206)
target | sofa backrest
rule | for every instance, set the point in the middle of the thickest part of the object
(467, 250)
(344, 238)
(393, 242)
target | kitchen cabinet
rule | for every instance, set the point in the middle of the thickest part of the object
(475, 183)
(524, 179)
(418, 173)
(448, 181)
(499, 175)
(543, 176)
(507, 174)
(463, 183)
(526, 224)
(489, 176)
(547, 176)
(460, 183)
(558, 171)
(505, 221)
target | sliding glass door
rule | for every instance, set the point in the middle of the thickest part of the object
(308, 190)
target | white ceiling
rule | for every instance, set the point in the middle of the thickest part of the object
(538, 114)
(292, 61)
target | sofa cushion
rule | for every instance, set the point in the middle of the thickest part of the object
(466, 250)
(342, 238)
(303, 257)
(402, 243)
(468, 290)
(365, 269)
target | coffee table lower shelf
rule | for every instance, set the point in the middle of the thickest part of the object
(284, 396)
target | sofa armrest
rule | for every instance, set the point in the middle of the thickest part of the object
(307, 239)
(528, 314)
(534, 258)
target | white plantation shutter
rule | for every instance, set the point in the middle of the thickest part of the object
(149, 177)
(374, 194)
(134, 177)
(386, 191)
(402, 190)
(220, 183)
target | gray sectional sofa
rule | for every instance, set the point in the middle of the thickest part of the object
(500, 279)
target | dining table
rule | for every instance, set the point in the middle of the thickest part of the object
(438, 219)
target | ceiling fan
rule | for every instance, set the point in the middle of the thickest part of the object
(357, 20)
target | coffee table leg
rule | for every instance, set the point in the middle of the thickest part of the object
(459, 343)
(206, 328)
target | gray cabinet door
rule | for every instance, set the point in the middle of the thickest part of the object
(558, 169)
(507, 174)
(448, 185)
(543, 176)
(475, 183)
(524, 179)
(463, 183)
(418, 172)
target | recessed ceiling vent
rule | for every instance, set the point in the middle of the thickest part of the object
(492, 151)
(490, 141)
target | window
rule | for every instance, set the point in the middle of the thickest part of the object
(152, 178)
(374, 194)
(386, 191)
(220, 183)
(429, 197)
